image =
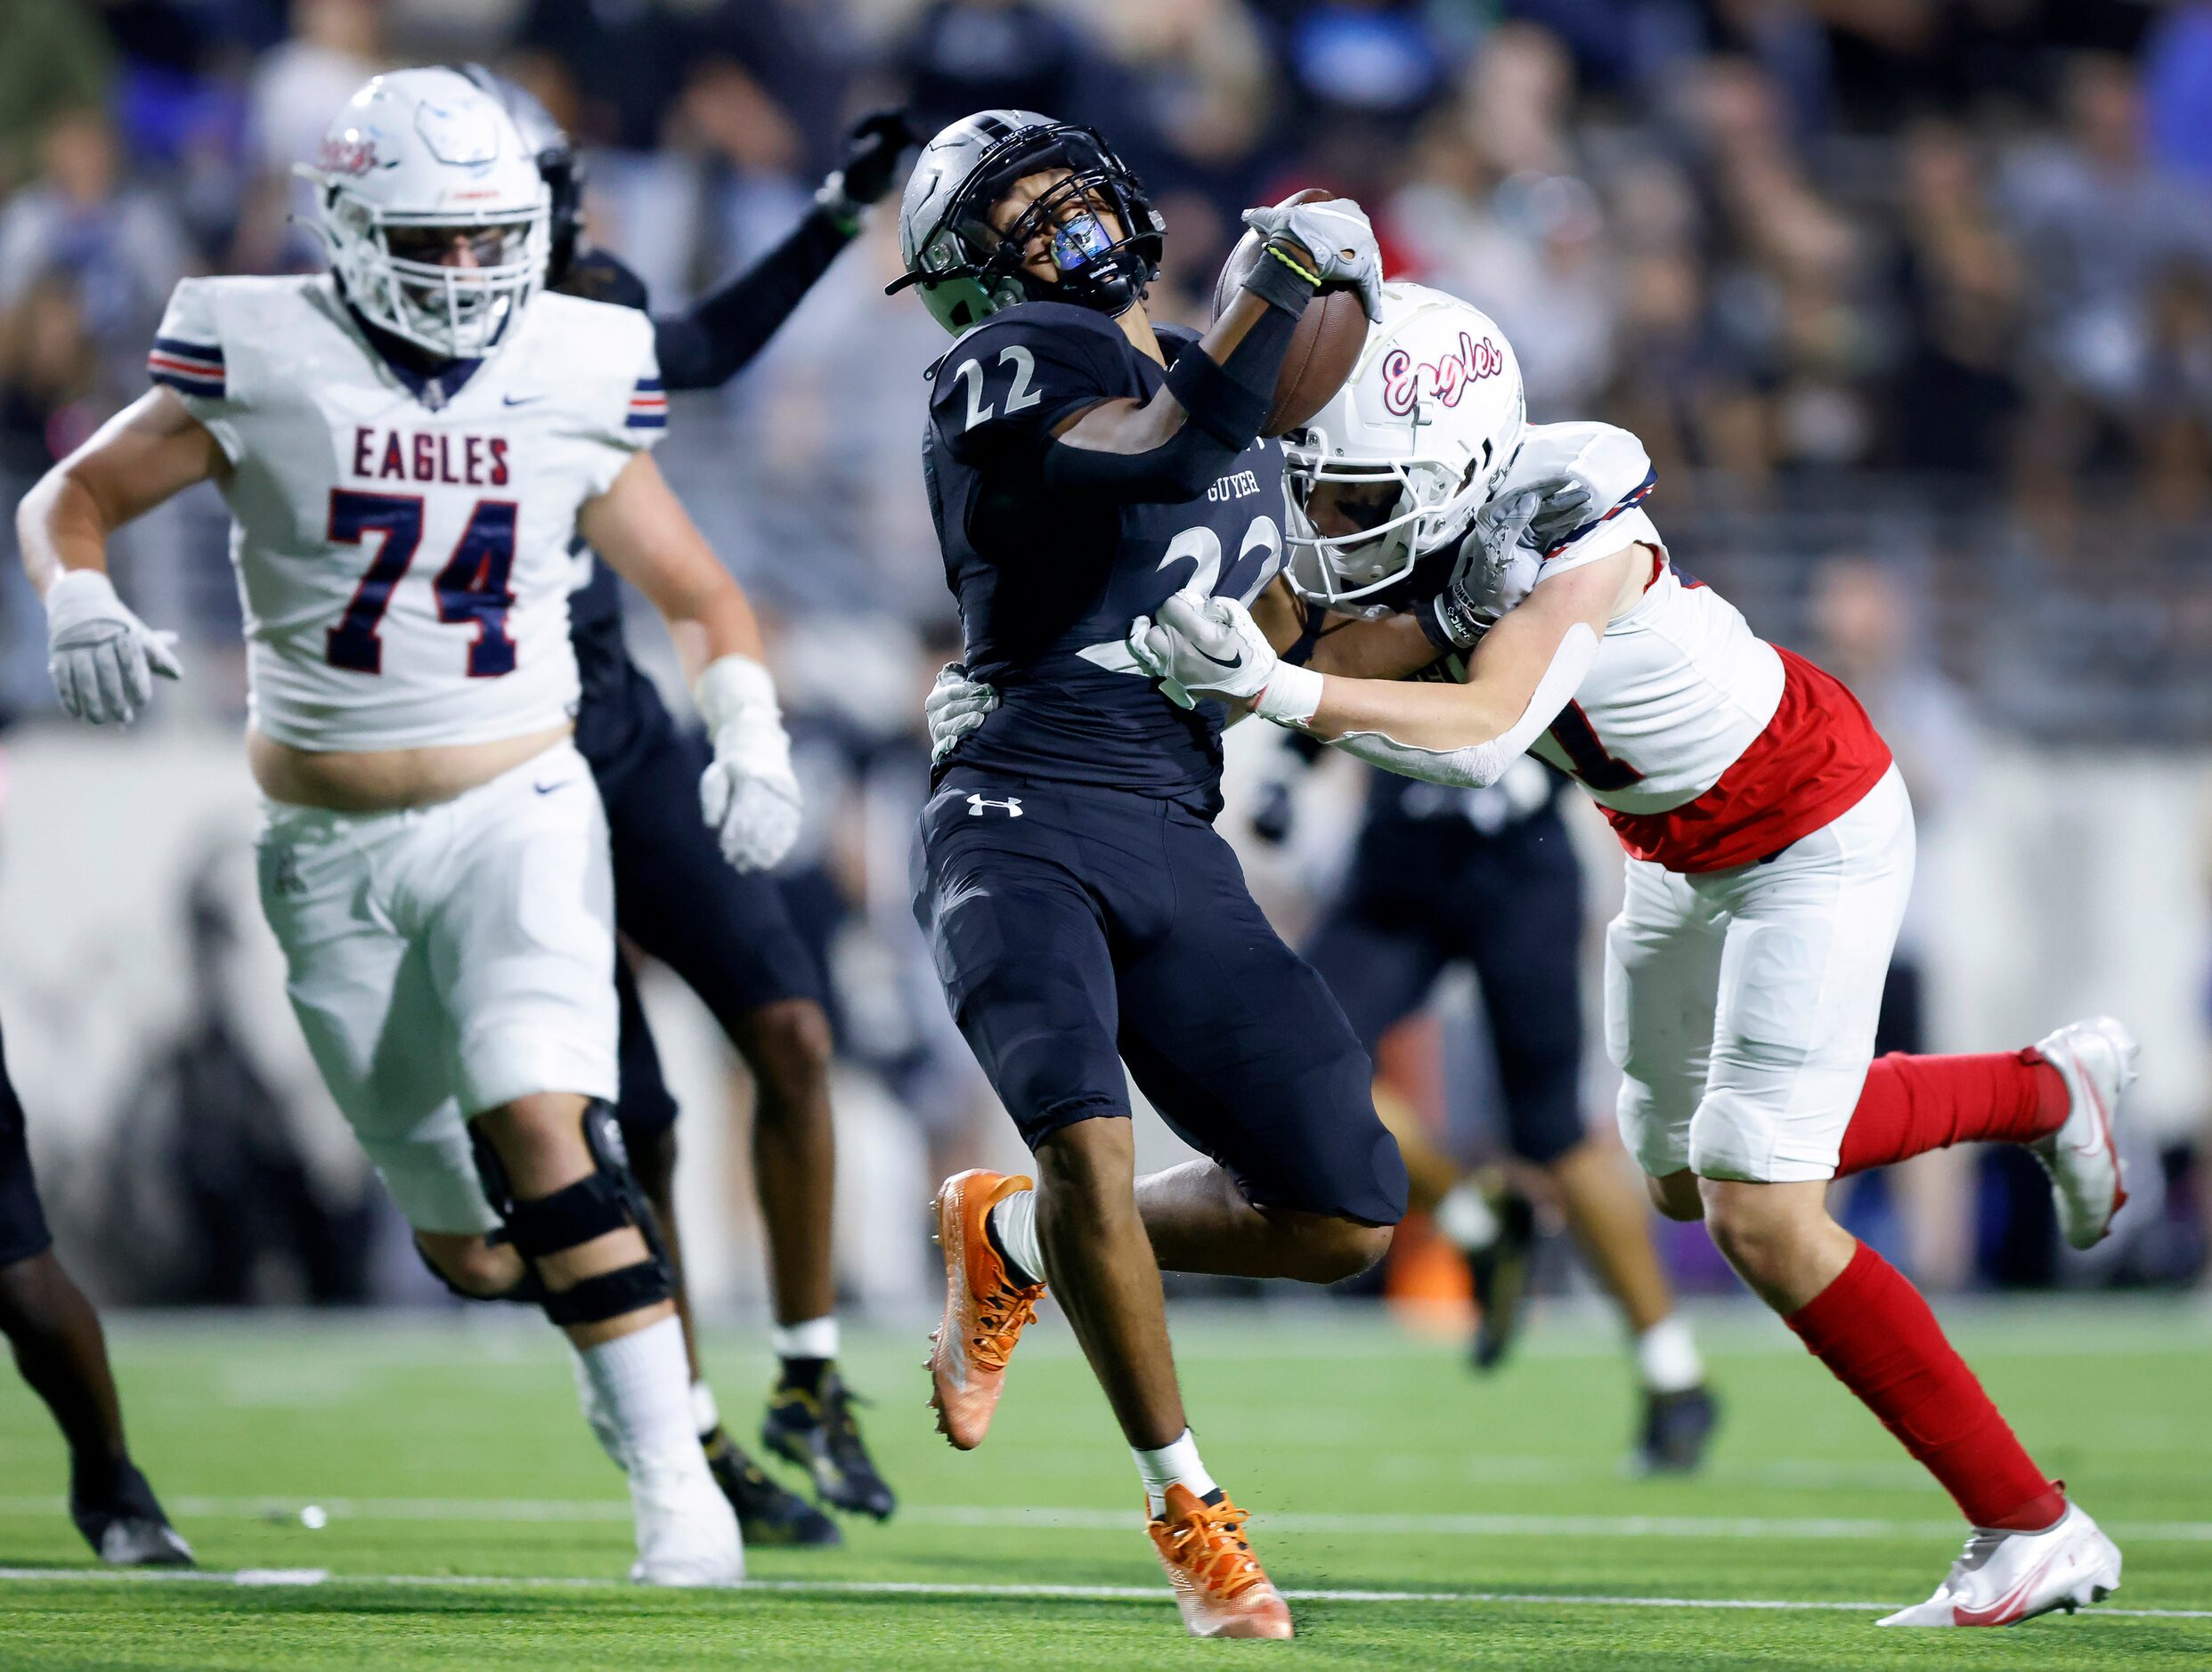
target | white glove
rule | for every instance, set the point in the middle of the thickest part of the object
(748, 796)
(102, 657)
(1202, 646)
(1499, 560)
(1336, 234)
(955, 706)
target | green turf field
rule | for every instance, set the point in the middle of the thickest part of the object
(1417, 1516)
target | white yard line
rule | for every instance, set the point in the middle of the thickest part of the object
(1082, 1520)
(311, 1577)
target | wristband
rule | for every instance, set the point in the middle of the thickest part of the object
(1282, 280)
(732, 686)
(1291, 695)
(1220, 404)
(1450, 625)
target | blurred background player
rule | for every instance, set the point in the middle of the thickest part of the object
(1488, 878)
(434, 853)
(725, 930)
(59, 1348)
(1083, 910)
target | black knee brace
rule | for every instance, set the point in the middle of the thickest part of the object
(606, 1199)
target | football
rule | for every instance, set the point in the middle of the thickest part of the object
(1324, 347)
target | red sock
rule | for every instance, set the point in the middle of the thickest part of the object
(1911, 1105)
(1874, 1331)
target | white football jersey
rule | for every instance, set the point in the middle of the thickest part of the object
(1705, 746)
(403, 558)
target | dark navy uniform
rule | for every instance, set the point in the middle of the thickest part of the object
(1487, 877)
(23, 1232)
(1082, 909)
(727, 934)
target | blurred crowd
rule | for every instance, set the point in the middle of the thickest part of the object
(1783, 238)
(1929, 280)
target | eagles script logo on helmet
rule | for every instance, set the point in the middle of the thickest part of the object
(1418, 439)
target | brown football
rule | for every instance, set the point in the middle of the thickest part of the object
(1323, 349)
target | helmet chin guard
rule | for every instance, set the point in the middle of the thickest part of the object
(1431, 416)
(419, 158)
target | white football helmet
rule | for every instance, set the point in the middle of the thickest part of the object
(1410, 449)
(419, 166)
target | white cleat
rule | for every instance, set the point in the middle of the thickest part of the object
(2096, 1059)
(2005, 1578)
(686, 1532)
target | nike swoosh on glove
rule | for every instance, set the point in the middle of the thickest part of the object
(1199, 647)
(101, 656)
(748, 795)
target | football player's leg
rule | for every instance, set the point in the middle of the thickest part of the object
(59, 1348)
(516, 897)
(1527, 944)
(647, 1111)
(1380, 969)
(1663, 977)
(2059, 1097)
(1247, 1056)
(1809, 938)
(731, 939)
(1020, 943)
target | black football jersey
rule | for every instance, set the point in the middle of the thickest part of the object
(1048, 582)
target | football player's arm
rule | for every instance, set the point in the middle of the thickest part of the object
(642, 529)
(1526, 670)
(712, 343)
(1388, 647)
(748, 794)
(1170, 448)
(100, 655)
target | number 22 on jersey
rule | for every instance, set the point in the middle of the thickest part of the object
(471, 588)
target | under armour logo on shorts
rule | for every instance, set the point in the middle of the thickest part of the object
(1011, 806)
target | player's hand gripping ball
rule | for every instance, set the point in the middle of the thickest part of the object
(1331, 332)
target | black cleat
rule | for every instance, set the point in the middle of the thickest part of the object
(818, 1433)
(768, 1514)
(122, 1521)
(1500, 1271)
(1676, 1428)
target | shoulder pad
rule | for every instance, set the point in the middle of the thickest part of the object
(1610, 458)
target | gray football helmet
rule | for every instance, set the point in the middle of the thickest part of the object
(966, 269)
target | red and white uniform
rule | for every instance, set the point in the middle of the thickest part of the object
(1770, 852)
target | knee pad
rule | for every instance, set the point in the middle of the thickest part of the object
(608, 1199)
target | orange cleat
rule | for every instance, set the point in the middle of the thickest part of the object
(1219, 1584)
(985, 1309)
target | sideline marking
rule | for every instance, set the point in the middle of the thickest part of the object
(309, 1577)
(523, 1510)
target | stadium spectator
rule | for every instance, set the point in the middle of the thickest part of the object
(54, 58)
(117, 242)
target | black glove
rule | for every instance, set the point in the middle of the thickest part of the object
(877, 144)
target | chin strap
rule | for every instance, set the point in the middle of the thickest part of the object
(1484, 763)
